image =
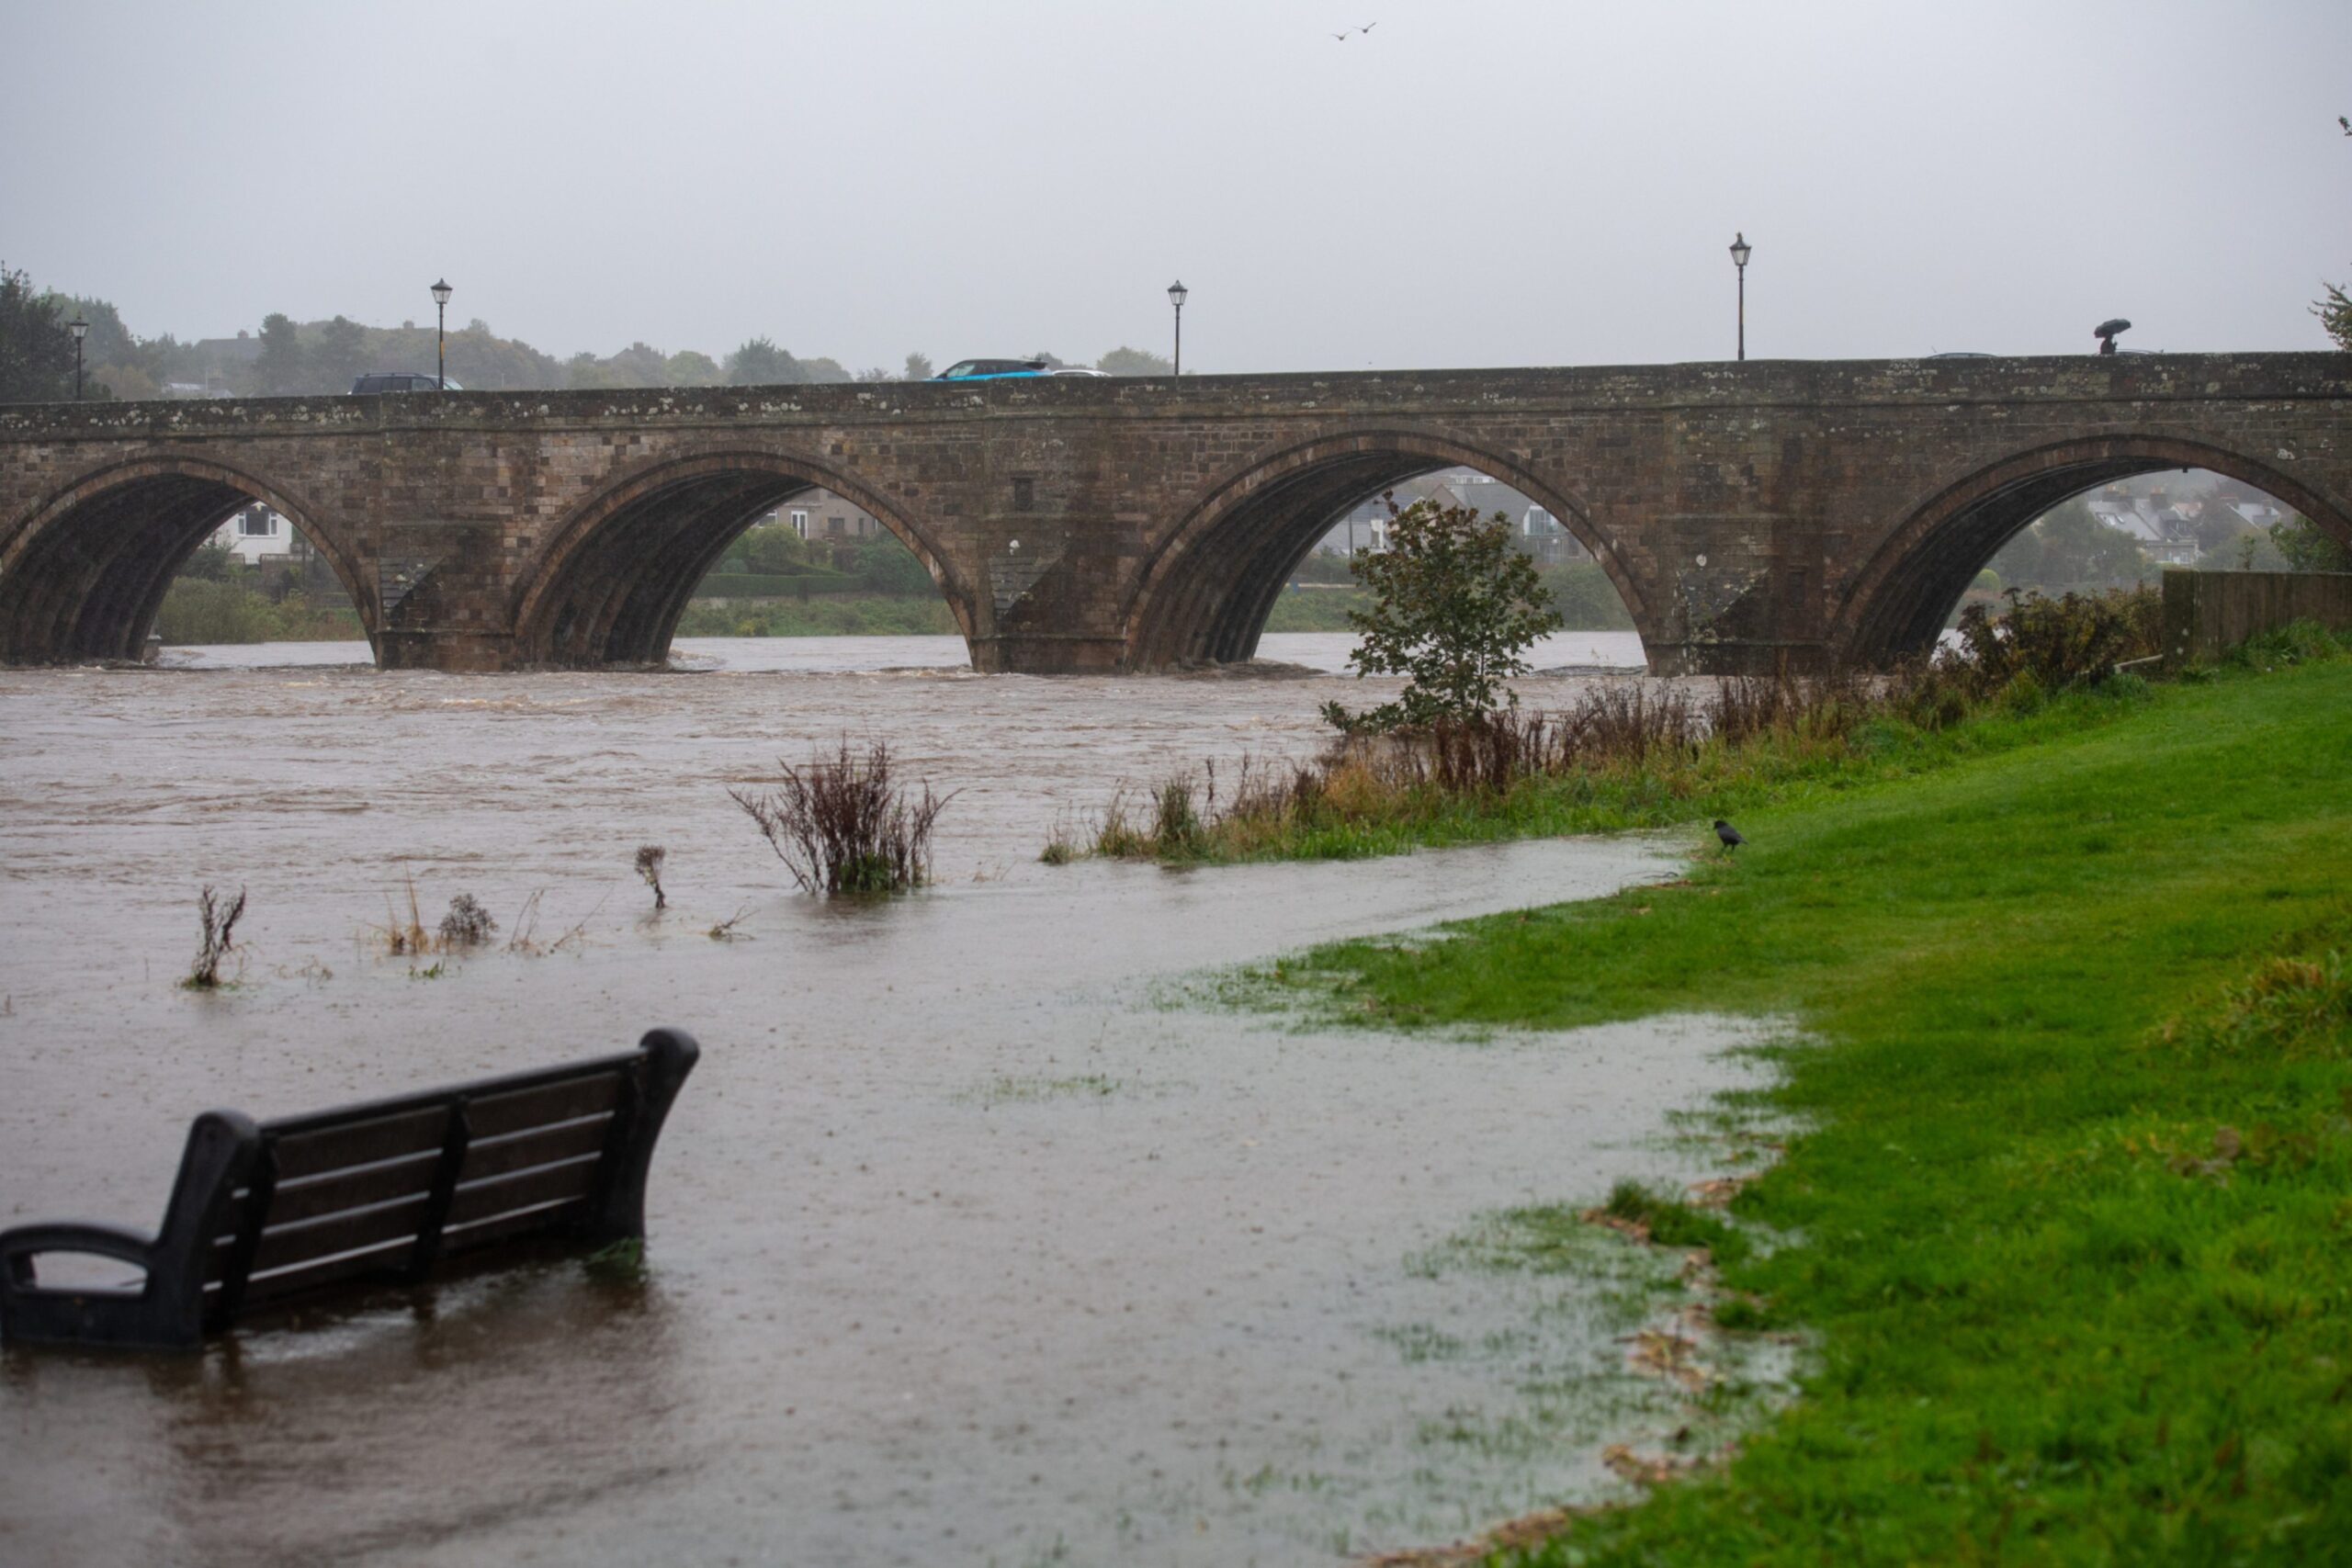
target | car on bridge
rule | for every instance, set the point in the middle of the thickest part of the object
(992, 371)
(398, 381)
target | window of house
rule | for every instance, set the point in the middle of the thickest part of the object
(258, 525)
(800, 523)
(836, 526)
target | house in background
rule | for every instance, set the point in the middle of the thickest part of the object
(258, 534)
(283, 554)
(820, 516)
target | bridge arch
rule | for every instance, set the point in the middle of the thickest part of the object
(83, 573)
(613, 582)
(1897, 604)
(1206, 592)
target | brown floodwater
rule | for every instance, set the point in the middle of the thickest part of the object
(973, 1240)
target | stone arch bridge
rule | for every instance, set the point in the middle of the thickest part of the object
(1753, 516)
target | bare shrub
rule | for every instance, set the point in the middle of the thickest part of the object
(218, 918)
(649, 868)
(467, 924)
(842, 826)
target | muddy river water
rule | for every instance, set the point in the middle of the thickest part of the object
(971, 1241)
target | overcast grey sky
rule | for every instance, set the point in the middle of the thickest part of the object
(1474, 182)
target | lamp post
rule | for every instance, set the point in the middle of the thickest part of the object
(80, 329)
(441, 334)
(1739, 253)
(1176, 292)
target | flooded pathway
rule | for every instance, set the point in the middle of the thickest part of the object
(967, 1244)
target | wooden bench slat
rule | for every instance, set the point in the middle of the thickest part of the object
(360, 1143)
(494, 1115)
(486, 1200)
(353, 1189)
(505, 1227)
(544, 1146)
(391, 1257)
(338, 1233)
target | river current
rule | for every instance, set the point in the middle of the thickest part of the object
(971, 1240)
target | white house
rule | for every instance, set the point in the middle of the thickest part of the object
(258, 534)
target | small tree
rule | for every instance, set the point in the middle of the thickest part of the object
(1455, 606)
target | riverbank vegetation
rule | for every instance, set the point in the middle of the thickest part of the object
(196, 611)
(2066, 1214)
(1631, 754)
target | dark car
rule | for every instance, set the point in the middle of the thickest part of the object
(397, 382)
(990, 369)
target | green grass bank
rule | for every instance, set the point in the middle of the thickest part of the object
(2072, 1220)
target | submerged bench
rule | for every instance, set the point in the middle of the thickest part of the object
(379, 1191)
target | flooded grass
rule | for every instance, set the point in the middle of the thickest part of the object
(2067, 1210)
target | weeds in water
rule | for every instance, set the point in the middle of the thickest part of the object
(402, 938)
(467, 924)
(649, 870)
(218, 918)
(1061, 844)
(619, 1263)
(438, 969)
(725, 930)
(525, 938)
(843, 825)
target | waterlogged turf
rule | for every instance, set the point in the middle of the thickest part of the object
(2071, 1221)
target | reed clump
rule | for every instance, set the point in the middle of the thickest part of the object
(1630, 752)
(844, 824)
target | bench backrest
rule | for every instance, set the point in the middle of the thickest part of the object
(383, 1189)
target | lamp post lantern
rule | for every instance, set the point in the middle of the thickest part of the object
(441, 292)
(80, 329)
(1740, 249)
(1176, 292)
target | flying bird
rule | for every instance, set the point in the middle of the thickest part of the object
(1367, 26)
(1727, 835)
(1341, 37)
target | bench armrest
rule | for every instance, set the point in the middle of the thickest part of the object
(19, 1247)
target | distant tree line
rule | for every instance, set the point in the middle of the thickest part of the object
(290, 358)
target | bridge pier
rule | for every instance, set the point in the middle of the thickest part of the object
(1737, 658)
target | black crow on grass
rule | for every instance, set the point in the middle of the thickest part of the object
(1728, 835)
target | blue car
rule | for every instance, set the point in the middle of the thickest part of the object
(991, 370)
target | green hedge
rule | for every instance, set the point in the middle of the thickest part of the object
(753, 585)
